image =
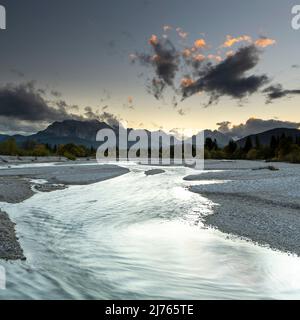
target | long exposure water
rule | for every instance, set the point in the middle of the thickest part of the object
(137, 237)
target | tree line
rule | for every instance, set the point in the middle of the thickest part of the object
(34, 149)
(281, 148)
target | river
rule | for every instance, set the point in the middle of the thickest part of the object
(137, 237)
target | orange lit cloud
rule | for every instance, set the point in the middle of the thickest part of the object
(199, 57)
(186, 53)
(200, 43)
(189, 67)
(186, 82)
(264, 42)
(230, 40)
(130, 100)
(153, 40)
(230, 53)
(215, 57)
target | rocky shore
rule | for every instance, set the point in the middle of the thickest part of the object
(261, 205)
(10, 248)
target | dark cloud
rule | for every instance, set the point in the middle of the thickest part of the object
(56, 94)
(110, 119)
(165, 62)
(277, 92)
(12, 126)
(90, 113)
(196, 72)
(156, 88)
(224, 126)
(194, 61)
(64, 106)
(26, 102)
(24, 108)
(229, 77)
(295, 66)
(181, 112)
(106, 117)
(254, 126)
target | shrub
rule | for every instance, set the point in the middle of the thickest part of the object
(69, 156)
(252, 154)
(9, 147)
(77, 151)
(40, 150)
(294, 155)
(206, 154)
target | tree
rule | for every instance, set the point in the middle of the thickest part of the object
(216, 147)
(41, 150)
(284, 147)
(9, 147)
(29, 145)
(230, 148)
(273, 146)
(257, 142)
(248, 145)
(92, 150)
(210, 144)
(294, 155)
(72, 149)
(252, 154)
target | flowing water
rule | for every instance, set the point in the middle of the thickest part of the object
(137, 237)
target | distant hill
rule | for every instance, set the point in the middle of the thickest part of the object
(221, 138)
(265, 137)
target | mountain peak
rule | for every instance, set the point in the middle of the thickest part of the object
(86, 130)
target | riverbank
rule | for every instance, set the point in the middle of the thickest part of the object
(254, 202)
(19, 184)
(16, 160)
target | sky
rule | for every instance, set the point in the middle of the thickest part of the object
(77, 57)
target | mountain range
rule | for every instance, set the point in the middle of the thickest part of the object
(264, 138)
(84, 133)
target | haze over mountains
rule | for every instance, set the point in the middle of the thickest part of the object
(84, 133)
